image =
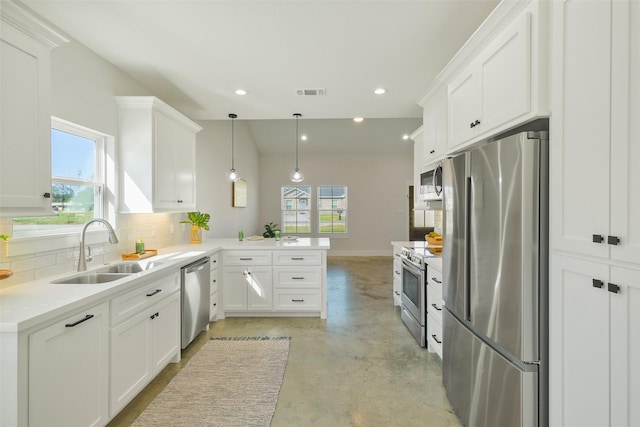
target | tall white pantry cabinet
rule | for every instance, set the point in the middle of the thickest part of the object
(595, 214)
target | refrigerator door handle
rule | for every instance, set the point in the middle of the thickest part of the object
(467, 254)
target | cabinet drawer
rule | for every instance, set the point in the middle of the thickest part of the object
(297, 258)
(214, 280)
(434, 276)
(297, 299)
(434, 301)
(133, 302)
(247, 258)
(434, 335)
(301, 277)
(215, 261)
(213, 305)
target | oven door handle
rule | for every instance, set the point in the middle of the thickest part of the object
(412, 268)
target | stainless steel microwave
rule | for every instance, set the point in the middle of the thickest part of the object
(431, 183)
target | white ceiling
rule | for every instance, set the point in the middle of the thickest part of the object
(195, 54)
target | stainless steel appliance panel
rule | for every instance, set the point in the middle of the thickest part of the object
(455, 231)
(195, 299)
(484, 388)
(503, 251)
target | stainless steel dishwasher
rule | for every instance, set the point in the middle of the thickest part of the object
(195, 299)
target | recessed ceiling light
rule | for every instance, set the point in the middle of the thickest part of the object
(358, 119)
(405, 136)
(380, 91)
(241, 92)
(303, 137)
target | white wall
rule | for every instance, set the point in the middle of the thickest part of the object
(214, 191)
(377, 195)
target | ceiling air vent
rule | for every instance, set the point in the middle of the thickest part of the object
(311, 92)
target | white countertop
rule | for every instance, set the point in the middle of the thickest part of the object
(421, 248)
(28, 304)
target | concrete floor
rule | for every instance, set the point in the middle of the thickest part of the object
(359, 367)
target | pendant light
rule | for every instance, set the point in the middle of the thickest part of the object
(296, 174)
(232, 174)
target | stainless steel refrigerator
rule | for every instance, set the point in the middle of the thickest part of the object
(495, 281)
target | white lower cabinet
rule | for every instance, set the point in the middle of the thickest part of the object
(279, 282)
(68, 370)
(435, 305)
(213, 286)
(397, 277)
(247, 288)
(144, 343)
(594, 344)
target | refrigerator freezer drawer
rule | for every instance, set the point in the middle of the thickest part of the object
(484, 389)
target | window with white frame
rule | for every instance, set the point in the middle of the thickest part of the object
(77, 182)
(332, 209)
(296, 209)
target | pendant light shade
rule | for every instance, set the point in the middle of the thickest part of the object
(296, 174)
(232, 174)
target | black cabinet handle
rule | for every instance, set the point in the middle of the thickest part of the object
(297, 277)
(246, 259)
(47, 195)
(71, 325)
(436, 339)
(297, 258)
(613, 288)
(154, 292)
(436, 280)
(297, 300)
(397, 293)
(471, 125)
(179, 201)
(436, 307)
(598, 283)
(613, 240)
(153, 316)
(432, 151)
(477, 122)
(597, 238)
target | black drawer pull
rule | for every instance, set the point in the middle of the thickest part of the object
(613, 288)
(598, 283)
(297, 278)
(613, 240)
(153, 316)
(297, 258)
(297, 300)
(71, 325)
(47, 195)
(246, 259)
(597, 238)
(432, 151)
(154, 292)
(436, 307)
(471, 125)
(436, 280)
(397, 293)
(436, 339)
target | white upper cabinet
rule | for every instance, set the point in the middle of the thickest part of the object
(157, 151)
(418, 162)
(25, 112)
(434, 124)
(595, 180)
(498, 80)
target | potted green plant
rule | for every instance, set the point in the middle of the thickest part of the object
(198, 221)
(271, 230)
(4, 237)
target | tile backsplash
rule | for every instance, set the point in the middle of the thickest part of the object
(157, 231)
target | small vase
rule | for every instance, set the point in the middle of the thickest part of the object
(196, 234)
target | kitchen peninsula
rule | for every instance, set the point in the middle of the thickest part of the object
(70, 331)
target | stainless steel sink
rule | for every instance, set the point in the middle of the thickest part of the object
(91, 278)
(129, 267)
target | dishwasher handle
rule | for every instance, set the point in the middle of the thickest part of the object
(196, 266)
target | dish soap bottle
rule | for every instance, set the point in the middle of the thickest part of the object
(140, 246)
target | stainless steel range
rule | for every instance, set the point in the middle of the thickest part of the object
(414, 294)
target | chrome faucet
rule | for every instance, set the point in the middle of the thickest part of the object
(113, 239)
